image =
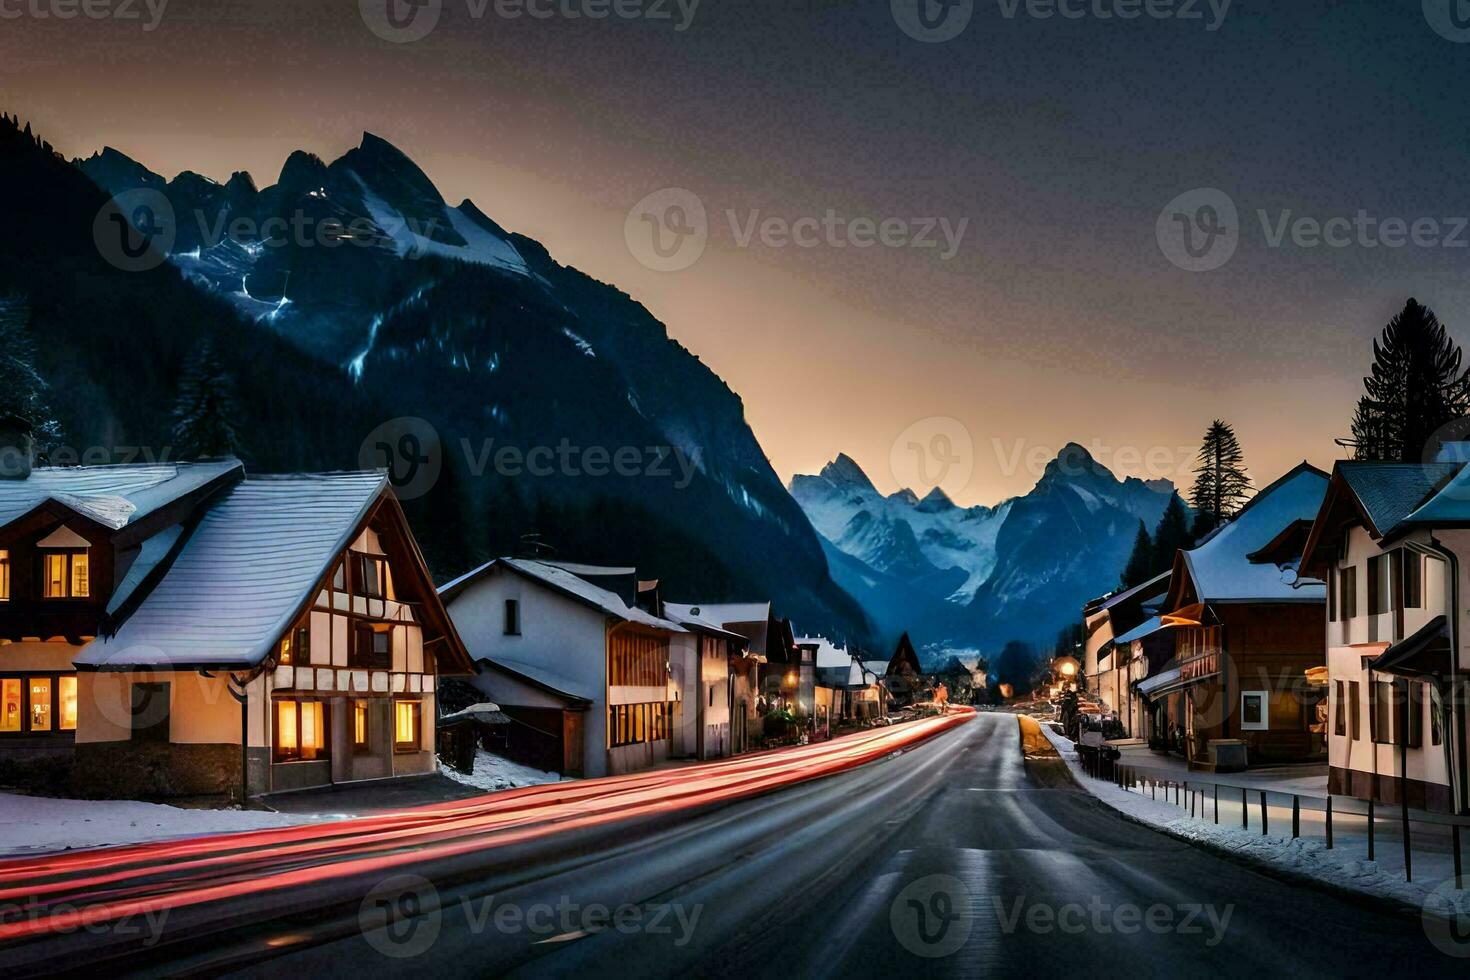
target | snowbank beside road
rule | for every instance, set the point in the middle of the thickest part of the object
(492, 773)
(1345, 866)
(31, 824)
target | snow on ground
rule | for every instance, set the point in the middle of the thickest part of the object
(493, 773)
(1346, 865)
(31, 824)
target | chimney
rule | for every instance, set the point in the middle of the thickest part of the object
(17, 448)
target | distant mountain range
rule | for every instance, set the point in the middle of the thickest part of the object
(349, 294)
(982, 575)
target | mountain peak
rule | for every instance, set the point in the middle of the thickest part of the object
(936, 501)
(845, 470)
(1074, 462)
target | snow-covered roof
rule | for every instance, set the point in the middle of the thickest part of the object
(113, 496)
(692, 618)
(1147, 628)
(563, 581)
(1221, 569)
(1451, 506)
(1391, 492)
(244, 574)
(726, 613)
(545, 676)
(878, 668)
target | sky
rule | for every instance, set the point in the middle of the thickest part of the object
(1066, 157)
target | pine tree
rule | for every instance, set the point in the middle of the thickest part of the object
(204, 415)
(1417, 385)
(1221, 487)
(22, 389)
(1141, 561)
(1172, 535)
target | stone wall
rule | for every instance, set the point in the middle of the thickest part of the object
(155, 770)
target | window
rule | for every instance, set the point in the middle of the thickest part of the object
(1381, 722)
(635, 724)
(1332, 576)
(375, 646)
(372, 576)
(301, 731)
(360, 725)
(4, 575)
(150, 712)
(296, 646)
(67, 703)
(1339, 725)
(512, 617)
(40, 703)
(1347, 583)
(407, 721)
(1379, 601)
(1413, 579)
(1253, 708)
(11, 712)
(1414, 737)
(1436, 736)
(1355, 710)
(65, 575)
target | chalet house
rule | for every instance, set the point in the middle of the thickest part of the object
(704, 663)
(1391, 539)
(1246, 628)
(1118, 627)
(846, 691)
(784, 675)
(903, 676)
(186, 630)
(582, 670)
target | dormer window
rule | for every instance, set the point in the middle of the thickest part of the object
(65, 566)
(65, 574)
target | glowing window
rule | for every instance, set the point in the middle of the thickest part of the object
(406, 719)
(65, 575)
(67, 702)
(10, 704)
(301, 731)
(360, 724)
(4, 575)
(40, 701)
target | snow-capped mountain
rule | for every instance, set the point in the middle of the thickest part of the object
(983, 575)
(950, 548)
(349, 294)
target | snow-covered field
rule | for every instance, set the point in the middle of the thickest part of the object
(30, 824)
(493, 773)
(1346, 865)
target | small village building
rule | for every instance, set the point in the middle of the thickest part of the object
(569, 655)
(192, 631)
(1112, 664)
(847, 693)
(702, 674)
(1247, 626)
(903, 676)
(772, 675)
(1392, 539)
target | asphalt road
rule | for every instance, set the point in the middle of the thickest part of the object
(952, 858)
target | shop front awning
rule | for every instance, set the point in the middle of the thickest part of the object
(1425, 654)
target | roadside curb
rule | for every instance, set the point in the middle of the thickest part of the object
(1384, 904)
